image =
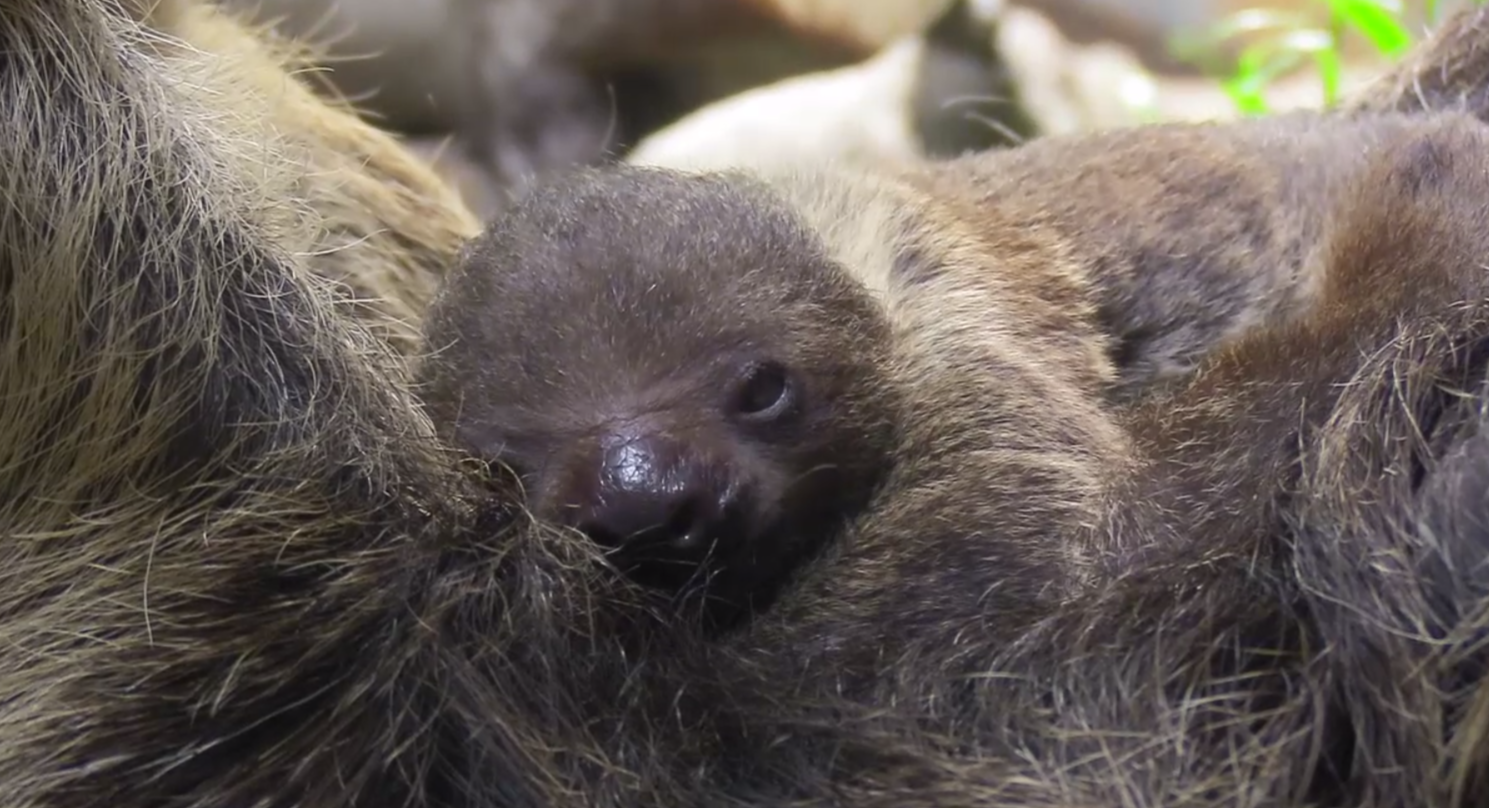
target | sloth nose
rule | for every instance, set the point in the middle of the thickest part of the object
(655, 489)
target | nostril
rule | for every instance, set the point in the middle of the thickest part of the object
(689, 526)
(648, 500)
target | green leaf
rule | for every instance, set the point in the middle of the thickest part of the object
(1378, 20)
(1260, 63)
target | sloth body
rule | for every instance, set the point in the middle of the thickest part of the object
(241, 568)
(382, 227)
(711, 373)
(1228, 501)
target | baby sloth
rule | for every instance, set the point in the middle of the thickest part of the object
(706, 403)
(714, 374)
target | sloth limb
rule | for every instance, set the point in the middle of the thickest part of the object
(205, 461)
(1297, 599)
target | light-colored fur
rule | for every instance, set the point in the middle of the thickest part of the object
(385, 227)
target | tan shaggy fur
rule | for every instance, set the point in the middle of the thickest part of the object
(385, 227)
(240, 568)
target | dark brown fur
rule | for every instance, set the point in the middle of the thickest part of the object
(599, 316)
(241, 569)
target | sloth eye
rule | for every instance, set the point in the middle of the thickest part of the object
(766, 392)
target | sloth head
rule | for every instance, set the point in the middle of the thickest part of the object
(674, 366)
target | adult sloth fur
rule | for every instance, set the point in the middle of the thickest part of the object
(239, 569)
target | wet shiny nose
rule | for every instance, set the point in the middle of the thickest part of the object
(654, 489)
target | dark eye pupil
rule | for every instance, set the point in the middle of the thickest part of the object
(763, 389)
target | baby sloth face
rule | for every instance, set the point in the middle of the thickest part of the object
(675, 368)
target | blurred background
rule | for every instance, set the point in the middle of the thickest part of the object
(498, 92)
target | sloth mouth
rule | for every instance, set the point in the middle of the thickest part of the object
(690, 550)
(731, 572)
(688, 539)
